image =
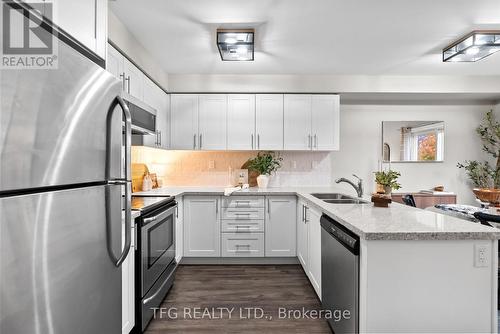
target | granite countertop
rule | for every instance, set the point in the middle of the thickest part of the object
(398, 222)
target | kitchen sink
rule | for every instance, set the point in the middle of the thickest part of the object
(332, 196)
(335, 198)
(346, 201)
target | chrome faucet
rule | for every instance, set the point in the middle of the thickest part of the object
(358, 187)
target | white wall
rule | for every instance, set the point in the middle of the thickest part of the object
(361, 138)
(118, 34)
(336, 84)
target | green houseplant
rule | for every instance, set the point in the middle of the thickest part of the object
(388, 180)
(265, 163)
(484, 176)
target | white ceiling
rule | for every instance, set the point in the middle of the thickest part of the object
(371, 37)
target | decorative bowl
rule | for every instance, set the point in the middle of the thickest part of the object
(488, 195)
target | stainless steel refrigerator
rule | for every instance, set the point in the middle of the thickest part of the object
(64, 186)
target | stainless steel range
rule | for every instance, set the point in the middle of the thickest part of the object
(155, 255)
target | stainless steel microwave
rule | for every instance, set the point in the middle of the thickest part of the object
(143, 116)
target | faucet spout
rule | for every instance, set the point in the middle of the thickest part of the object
(358, 187)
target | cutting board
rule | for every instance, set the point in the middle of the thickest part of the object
(138, 172)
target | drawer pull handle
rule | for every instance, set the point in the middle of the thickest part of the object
(242, 204)
(238, 246)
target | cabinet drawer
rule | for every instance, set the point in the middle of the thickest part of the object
(243, 202)
(242, 244)
(240, 225)
(245, 214)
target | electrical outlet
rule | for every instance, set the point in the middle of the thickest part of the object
(294, 164)
(211, 164)
(481, 256)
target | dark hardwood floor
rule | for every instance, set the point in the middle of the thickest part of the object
(263, 287)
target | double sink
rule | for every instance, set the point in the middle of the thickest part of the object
(335, 198)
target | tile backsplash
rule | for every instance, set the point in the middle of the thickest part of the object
(213, 168)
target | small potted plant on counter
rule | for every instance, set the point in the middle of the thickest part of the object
(484, 176)
(388, 180)
(265, 163)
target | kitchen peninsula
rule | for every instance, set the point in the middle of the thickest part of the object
(416, 267)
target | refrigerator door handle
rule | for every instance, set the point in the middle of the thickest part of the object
(128, 214)
(128, 135)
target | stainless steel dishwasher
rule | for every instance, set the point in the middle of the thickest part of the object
(340, 275)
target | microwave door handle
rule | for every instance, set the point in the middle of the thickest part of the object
(124, 182)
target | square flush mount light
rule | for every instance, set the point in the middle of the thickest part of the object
(473, 47)
(235, 44)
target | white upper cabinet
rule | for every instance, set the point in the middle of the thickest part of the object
(325, 112)
(241, 122)
(297, 122)
(280, 226)
(131, 76)
(212, 122)
(184, 122)
(269, 122)
(114, 64)
(85, 20)
(159, 100)
(134, 79)
(255, 122)
(312, 122)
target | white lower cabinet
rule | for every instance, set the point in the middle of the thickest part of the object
(309, 243)
(314, 248)
(128, 287)
(201, 226)
(179, 230)
(302, 246)
(243, 244)
(243, 226)
(280, 225)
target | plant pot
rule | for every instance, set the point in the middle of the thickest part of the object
(262, 181)
(387, 190)
(380, 189)
(488, 195)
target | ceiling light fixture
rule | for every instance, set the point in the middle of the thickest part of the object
(236, 44)
(473, 47)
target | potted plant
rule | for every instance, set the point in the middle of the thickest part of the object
(484, 176)
(265, 163)
(388, 180)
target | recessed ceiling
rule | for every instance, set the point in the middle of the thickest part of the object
(383, 37)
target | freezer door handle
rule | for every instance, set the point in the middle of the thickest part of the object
(124, 182)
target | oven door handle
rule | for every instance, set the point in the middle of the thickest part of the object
(162, 215)
(151, 219)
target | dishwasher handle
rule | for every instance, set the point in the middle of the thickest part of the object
(346, 237)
